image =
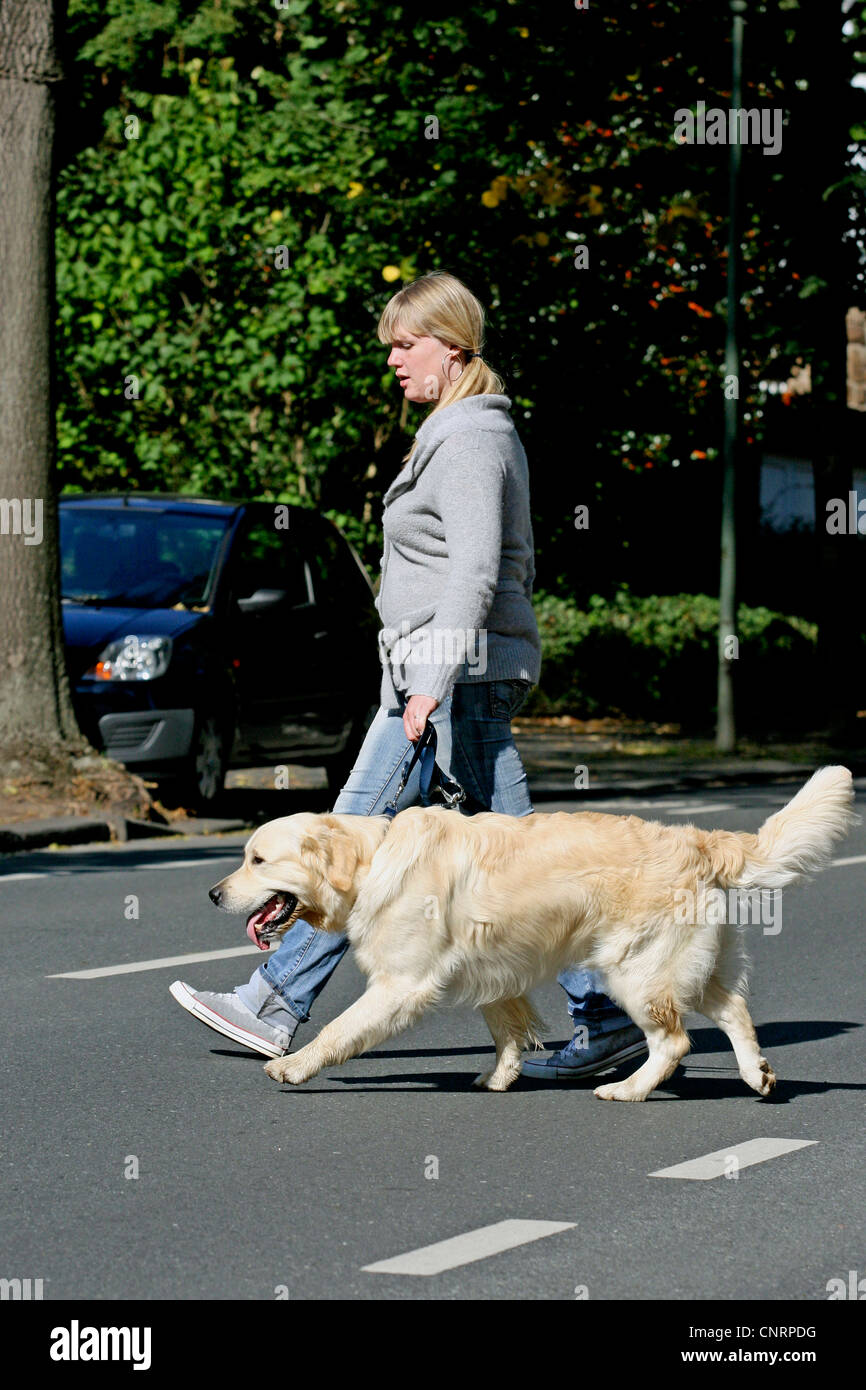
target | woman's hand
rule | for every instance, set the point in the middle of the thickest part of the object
(416, 713)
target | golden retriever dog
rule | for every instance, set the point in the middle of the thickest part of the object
(445, 908)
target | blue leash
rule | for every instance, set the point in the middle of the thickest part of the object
(425, 751)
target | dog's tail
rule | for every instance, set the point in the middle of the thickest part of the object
(795, 842)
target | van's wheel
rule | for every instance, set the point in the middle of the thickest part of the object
(202, 780)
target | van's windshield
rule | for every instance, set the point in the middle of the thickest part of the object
(126, 558)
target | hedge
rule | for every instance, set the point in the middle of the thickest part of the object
(655, 657)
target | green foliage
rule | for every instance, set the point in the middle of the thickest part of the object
(305, 127)
(169, 295)
(655, 657)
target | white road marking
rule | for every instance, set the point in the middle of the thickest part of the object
(715, 1165)
(232, 858)
(161, 964)
(190, 863)
(657, 803)
(166, 961)
(660, 808)
(465, 1249)
(193, 863)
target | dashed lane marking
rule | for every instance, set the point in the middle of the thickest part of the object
(160, 964)
(166, 961)
(232, 858)
(716, 1165)
(466, 1249)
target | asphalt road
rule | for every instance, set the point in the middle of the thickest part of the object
(248, 1190)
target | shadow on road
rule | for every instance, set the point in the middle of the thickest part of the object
(120, 859)
(720, 1082)
(705, 1041)
(680, 1088)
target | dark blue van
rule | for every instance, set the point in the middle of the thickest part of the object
(201, 635)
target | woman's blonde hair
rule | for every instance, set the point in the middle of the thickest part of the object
(439, 305)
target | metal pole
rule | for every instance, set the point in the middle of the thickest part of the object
(726, 736)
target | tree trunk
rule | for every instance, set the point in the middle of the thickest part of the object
(40, 742)
(35, 704)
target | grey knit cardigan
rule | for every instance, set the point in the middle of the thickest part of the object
(458, 567)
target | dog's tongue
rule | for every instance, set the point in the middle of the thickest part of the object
(260, 919)
(251, 933)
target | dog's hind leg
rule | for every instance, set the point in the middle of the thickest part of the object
(668, 1044)
(728, 1010)
(387, 1007)
(514, 1025)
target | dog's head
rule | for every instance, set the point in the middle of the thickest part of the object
(298, 866)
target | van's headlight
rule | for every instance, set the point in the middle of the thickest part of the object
(133, 658)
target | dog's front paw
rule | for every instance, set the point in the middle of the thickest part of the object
(762, 1078)
(489, 1081)
(282, 1069)
(618, 1090)
(496, 1080)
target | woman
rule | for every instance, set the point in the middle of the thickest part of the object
(459, 647)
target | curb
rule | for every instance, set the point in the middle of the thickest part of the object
(21, 836)
(77, 830)
(37, 834)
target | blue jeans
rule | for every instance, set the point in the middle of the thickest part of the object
(476, 747)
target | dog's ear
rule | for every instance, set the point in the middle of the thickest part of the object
(342, 861)
(335, 854)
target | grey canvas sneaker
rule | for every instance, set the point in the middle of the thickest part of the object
(581, 1058)
(227, 1015)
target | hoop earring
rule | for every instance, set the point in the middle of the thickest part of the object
(446, 375)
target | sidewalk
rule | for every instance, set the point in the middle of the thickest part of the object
(565, 759)
(591, 759)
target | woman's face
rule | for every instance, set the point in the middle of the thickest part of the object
(418, 362)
